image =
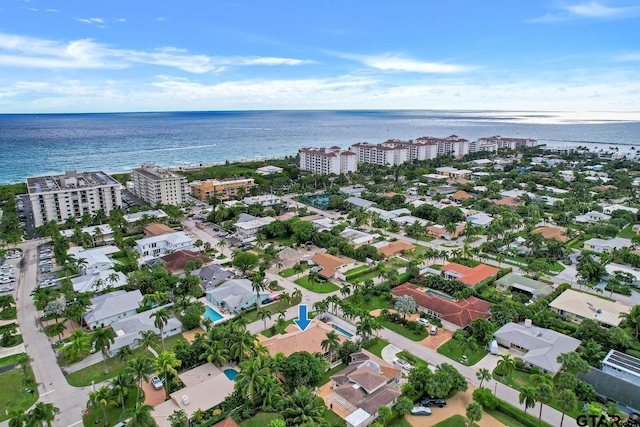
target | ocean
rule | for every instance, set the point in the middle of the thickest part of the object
(34, 144)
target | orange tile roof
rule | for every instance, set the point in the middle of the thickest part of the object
(330, 263)
(471, 276)
(155, 229)
(506, 201)
(442, 231)
(460, 195)
(296, 340)
(396, 247)
(549, 233)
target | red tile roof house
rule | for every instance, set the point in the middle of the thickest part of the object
(175, 262)
(453, 314)
(467, 275)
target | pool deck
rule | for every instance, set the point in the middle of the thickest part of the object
(225, 316)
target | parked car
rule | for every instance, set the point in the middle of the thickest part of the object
(403, 363)
(434, 329)
(423, 321)
(267, 300)
(156, 382)
(420, 410)
(433, 401)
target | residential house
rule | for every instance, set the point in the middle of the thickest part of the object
(212, 275)
(99, 281)
(135, 217)
(246, 231)
(154, 247)
(222, 190)
(577, 306)
(532, 287)
(408, 219)
(269, 170)
(358, 202)
(440, 231)
(606, 245)
(435, 177)
(101, 234)
(265, 200)
(92, 261)
(592, 217)
(622, 365)
(453, 314)
(234, 295)
(468, 275)
(157, 229)
(460, 195)
(108, 308)
(333, 266)
(363, 387)
(454, 172)
(391, 249)
(294, 339)
(480, 219)
(206, 386)
(128, 328)
(552, 233)
(175, 262)
(541, 347)
(612, 388)
(443, 189)
(612, 208)
(358, 238)
(387, 215)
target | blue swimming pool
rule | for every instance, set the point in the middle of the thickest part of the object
(342, 331)
(230, 373)
(212, 314)
(429, 291)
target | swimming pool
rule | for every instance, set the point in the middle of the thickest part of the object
(429, 291)
(212, 314)
(230, 373)
(342, 331)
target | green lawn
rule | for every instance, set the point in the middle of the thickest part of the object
(274, 307)
(320, 288)
(8, 314)
(372, 275)
(334, 419)
(405, 332)
(95, 372)
(114, 412)
(402, 422)
(451, 350)
(516, 380)
(421, 238)
(9, 360)
(504, 418)
(171, 342)
(289, 271)
(327, 375)
(375, 346)
(12, 392)
(267, 332)
(285, 240)
(372, 304)
(628, 232)
(261, 419)
(357, 270)
(455, 421)
(415, 361)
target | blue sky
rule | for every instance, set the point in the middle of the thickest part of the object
(92, 56)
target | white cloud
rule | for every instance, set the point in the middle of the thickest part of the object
(594, 9)
(53, 10)
(629, 56)
(122, 20)
(23, 51)
(161, 19)
(395, 62)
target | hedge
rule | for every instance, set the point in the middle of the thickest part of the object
(360, 272)
(519, 415)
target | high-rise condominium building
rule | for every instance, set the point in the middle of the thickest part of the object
(153, 184)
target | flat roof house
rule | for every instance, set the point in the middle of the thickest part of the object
(467, 275)
(541, 347)
(101, 234)
(246, 231)
(622, 365)
(577, 306)
(154, 247)
(453, 314)
(536, 288)
(109, 308)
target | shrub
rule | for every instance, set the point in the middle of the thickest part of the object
(518, 415)
(485, 398)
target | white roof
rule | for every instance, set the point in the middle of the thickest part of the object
(136, 216)
(480, 218)
(435, 176)
(323, 223)
(357, 417)
(615, 243)
(357, 237)
(256, 223)
(105, 229)
(93, 257)
(609, 209)
(90, 282)
(408, 219)
(112, 304)
(177, 238)
(590, 307)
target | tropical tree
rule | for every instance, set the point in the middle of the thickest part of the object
(483, 375)
(166, 363)
(78, 346)
(120, 388)
(160, 319)
(124, 353)
(23, 360)
(215, 352)
(405, 305)
(102, 338)
(42, 414)
(632, 320)
(140, 368)
(474, 412)
(298, 269)
(528, 397)
(506, 365)
(567, 402)
(331, 344)
(303, 407)
(258, 285)
(57, 329)
(54, 308)
(178, 419)
(572, 362)
(140, 416)
(403, 406)
(264, 315)
(252, 377)
(148, 339)
(544, 395)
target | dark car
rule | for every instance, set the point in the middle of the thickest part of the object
(267, 300)
(433, 401)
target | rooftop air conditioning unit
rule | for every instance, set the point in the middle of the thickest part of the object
(185, 399)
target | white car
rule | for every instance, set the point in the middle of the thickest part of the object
(423, 321)
(156, 382)
(403, 363)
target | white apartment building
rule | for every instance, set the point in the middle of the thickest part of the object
(451, 145)
(420, 149)
(56, 198)
(326, 161)
(265, 200)
(495, 143)
(157, 246)
(380, 154)
(153, 184)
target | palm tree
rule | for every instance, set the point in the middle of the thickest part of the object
(331, 344)
(41, 414)
(160, 319)
(541, 378)
(140, 416)
(264, 315)
(120, 387)
(102, 338)
(573, 362)
(483, 375)
(298, 269)
(405, 305)
(506, 365)
(167, 363)
(57, 329)
(124, 353)
(567, 402)
(451, 228)
(474, 412)
(544, 395)
(221, 245)
(252, 377)
(17, 418)
(147, 339)
(215, 352)
(528, 397)
(258, 285)
(303, 407)
(296, 295)
(632, 319)
(242, 345)
(178, 419)
(140, 369)
(23, 360)
(79, 345)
